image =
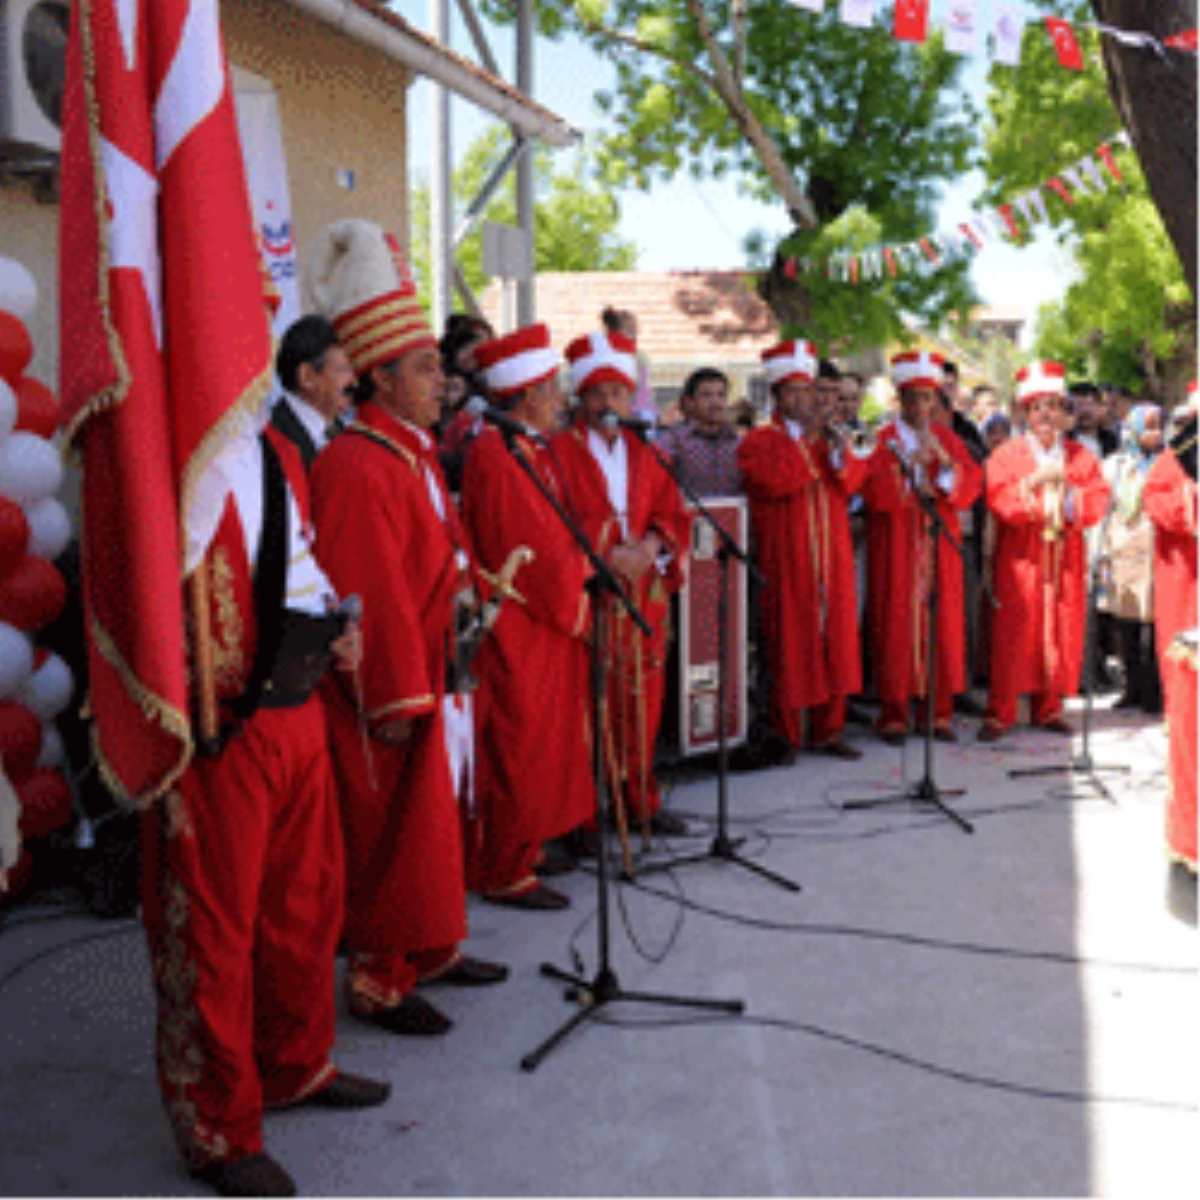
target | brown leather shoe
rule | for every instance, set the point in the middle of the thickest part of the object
(556, 860)
(471, 972)
(534, 899)
(414, 1016)
(839, 748)
(254, 1175)
(944, 733)
(990, 731)
(666, 824)
(893, 735)
(345, 1090)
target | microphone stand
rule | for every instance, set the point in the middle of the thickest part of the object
(1083, 763)
(723, 848)
(603, 988)
(925, 790)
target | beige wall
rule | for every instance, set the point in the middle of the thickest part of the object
(341, 105)
(29, 233)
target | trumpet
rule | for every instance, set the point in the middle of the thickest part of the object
(860, 442)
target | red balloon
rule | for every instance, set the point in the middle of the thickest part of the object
(20, 876)
(45, 803)
(37, 409)
(20, 739)
(32, 595)
(14, 535)
(16, 348)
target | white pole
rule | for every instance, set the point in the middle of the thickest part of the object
(525, 308)
(440, 214)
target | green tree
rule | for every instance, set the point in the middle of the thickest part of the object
(575, 217)
(867, 128)
(1128, 315)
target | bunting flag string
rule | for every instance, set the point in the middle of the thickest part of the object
(1006, 222)
(965, 29)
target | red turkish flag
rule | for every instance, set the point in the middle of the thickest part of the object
(912, 20)
(1184, 41)
(166, 351)
(1066, 45)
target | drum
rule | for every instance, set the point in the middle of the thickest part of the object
(698, 676)
(1179, 680)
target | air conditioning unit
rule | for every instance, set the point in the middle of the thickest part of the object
(33, 48)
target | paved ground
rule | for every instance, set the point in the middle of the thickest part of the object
(1007, 1013)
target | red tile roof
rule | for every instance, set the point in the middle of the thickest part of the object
(683, 316)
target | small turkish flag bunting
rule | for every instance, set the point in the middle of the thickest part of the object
(1066, 44)
(1183, 41)
(912, 20)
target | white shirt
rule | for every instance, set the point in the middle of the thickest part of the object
(910, 443)
(307, 588)
(315, 423)
(1054, 454)
(794, 428)
(613, 461)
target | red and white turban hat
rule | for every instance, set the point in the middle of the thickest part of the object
(1193, 397)
(517, 361)
(917, 368)
(361, 282)
(600, 358)
(1041, 379)
(793, 359)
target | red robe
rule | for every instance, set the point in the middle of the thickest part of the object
(1169, 500)
(899, 575)
(1040, 581)
(798, 509)
(636, 681)
(242, 892)
(380, 536)
(533, 772)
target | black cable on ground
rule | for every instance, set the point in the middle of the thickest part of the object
(125, 927)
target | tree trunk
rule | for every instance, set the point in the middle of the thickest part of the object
(1157, 103)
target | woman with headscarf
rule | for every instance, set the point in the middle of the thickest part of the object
(1128, 545)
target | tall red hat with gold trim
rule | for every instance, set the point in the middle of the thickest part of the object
(361, 281)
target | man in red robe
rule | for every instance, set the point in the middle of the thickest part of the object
(242, 862)
(1043, 491)
(533, 775)
(795, 488)
(630, 509)
(387, 532)
(913, 455)
(1171, 501)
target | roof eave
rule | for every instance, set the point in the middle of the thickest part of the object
(389, 33)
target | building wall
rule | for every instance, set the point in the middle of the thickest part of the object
(342, 107)
(29, 233)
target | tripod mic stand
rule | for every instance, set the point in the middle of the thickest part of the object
(603, 988)
(1083, 763)
(723, 848)
(925, 790)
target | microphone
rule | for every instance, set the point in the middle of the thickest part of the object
(638, 425)
(351, 607)
(509, 426)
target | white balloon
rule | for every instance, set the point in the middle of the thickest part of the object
(30, 468)
(49, 528)
(53, 752)
(16, 660)
(18, 289)
(48, 690)
(8, 409)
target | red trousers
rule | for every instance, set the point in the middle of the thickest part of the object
(242, 904)
(894, 710)
(826, 722)
(1002, 704)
